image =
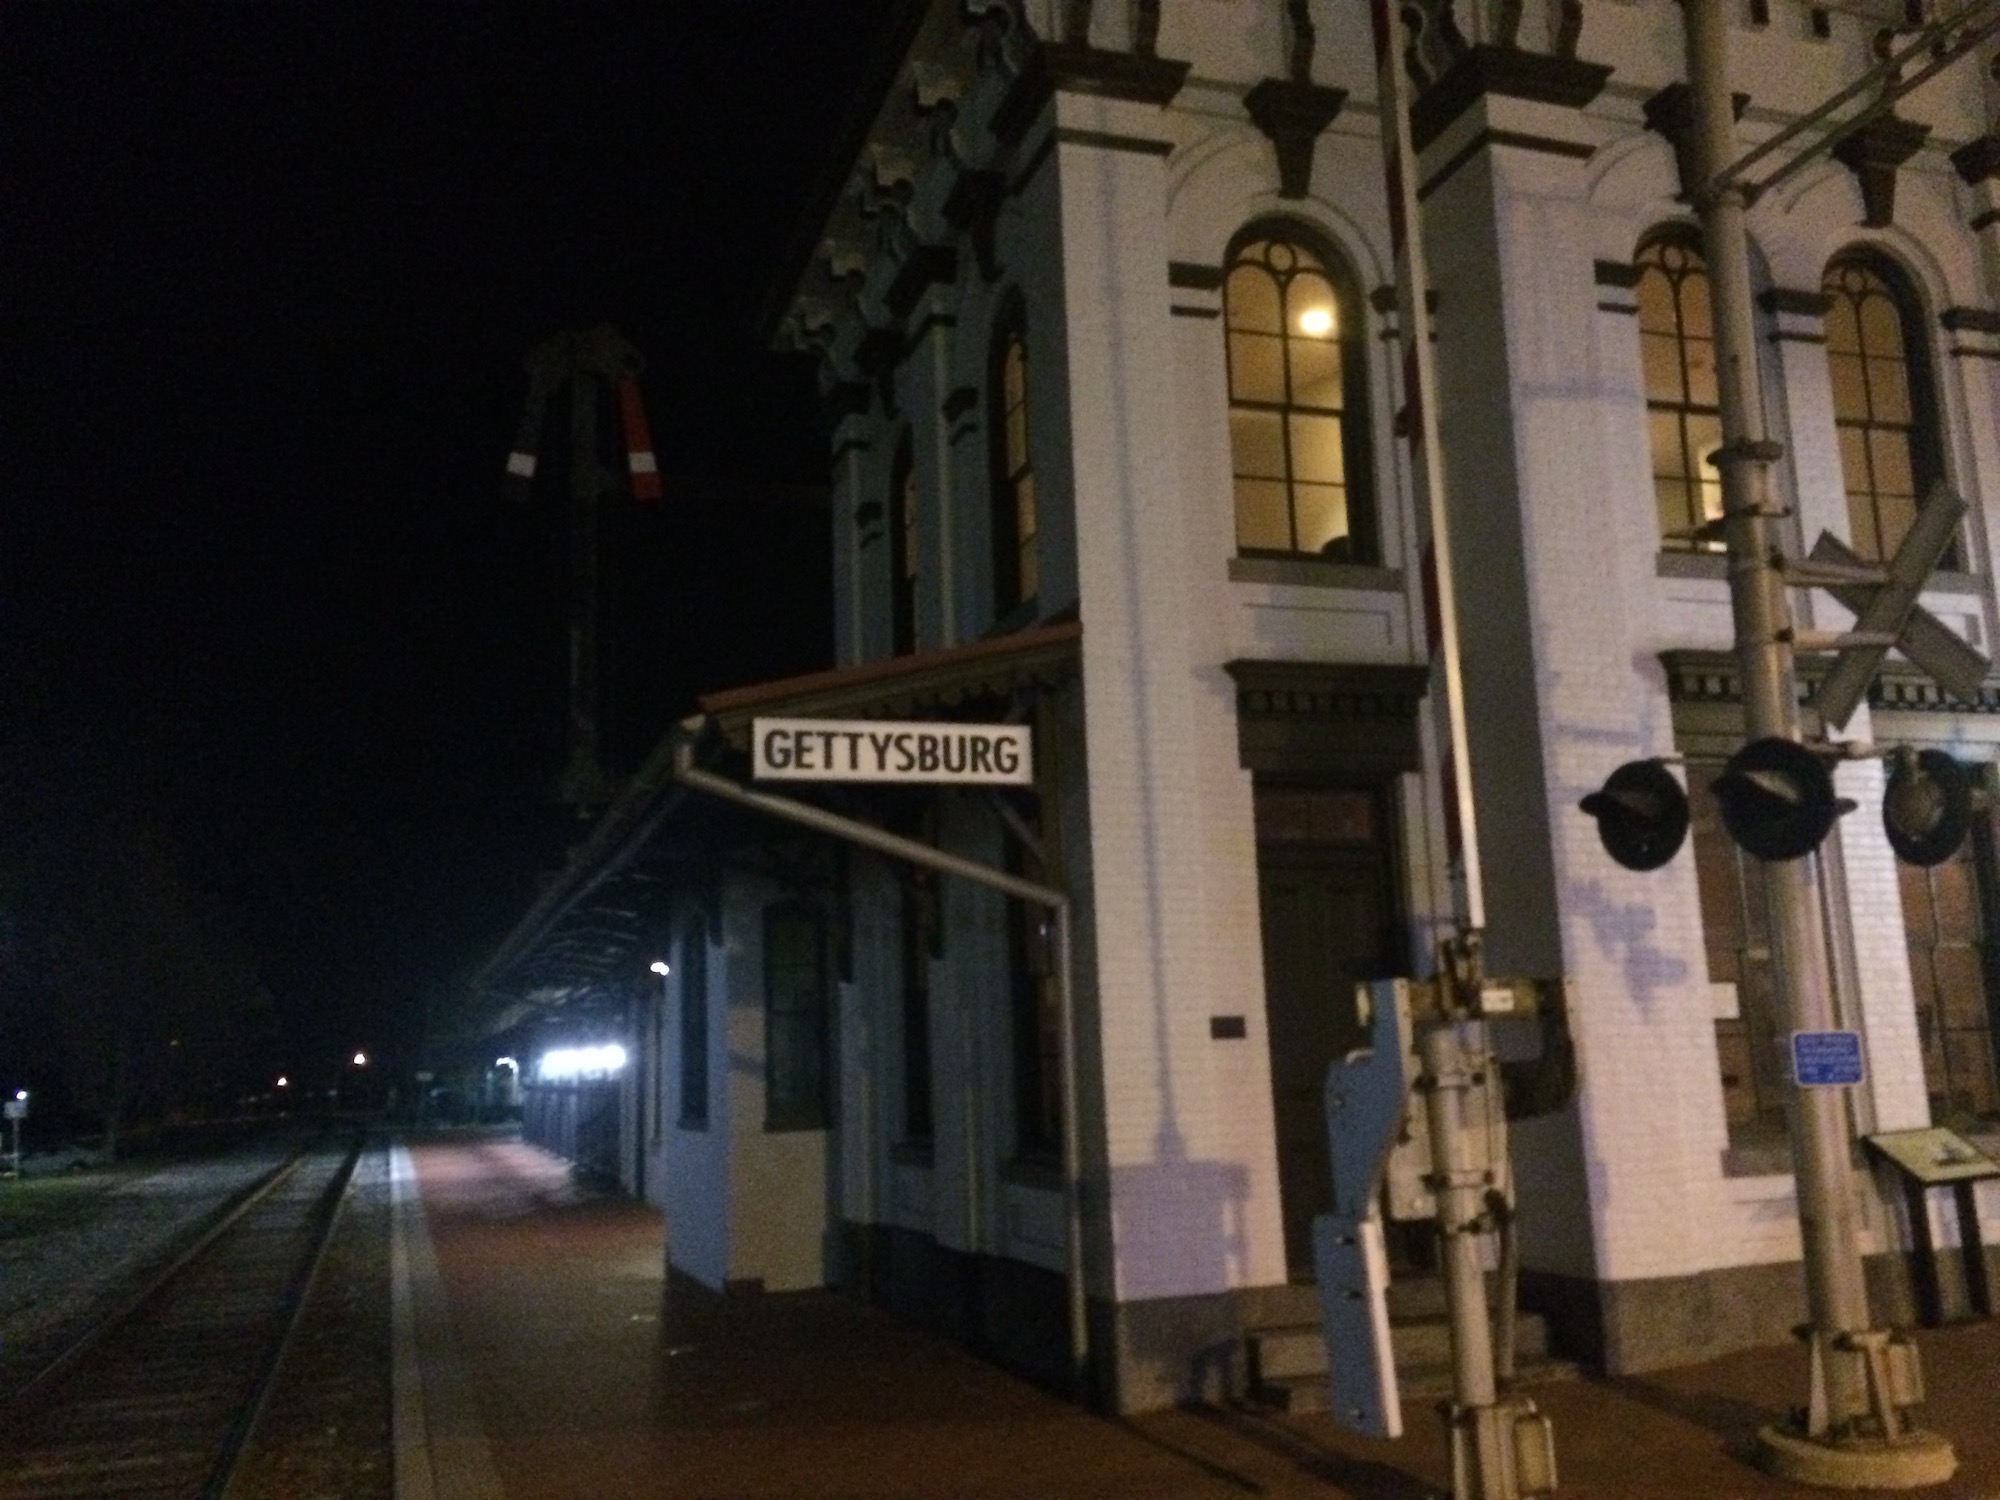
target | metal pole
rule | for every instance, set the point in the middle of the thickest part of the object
(896, 847)
(1836, 1292)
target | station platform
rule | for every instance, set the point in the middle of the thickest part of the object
(542, 1354)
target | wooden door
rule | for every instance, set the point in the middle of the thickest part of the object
(1328, 912)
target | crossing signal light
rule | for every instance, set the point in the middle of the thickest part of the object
(1778, 801)
(1928, 806)
(1642, 814)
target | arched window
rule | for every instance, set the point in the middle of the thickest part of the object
(1883, 407)
(1016, 562)
(1683, 420)
(1298, 403)
(903, 555)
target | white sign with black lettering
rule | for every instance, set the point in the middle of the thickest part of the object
(870, 750)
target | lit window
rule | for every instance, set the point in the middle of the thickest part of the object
(1297, 402)
(903, 565)
(1882, 407)
(1016, 525)
(1683, 420)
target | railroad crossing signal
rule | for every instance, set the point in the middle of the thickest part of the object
(1777, 798)
(1642, 814)
(1928, 806)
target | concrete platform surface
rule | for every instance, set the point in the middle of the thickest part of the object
(543, 1354)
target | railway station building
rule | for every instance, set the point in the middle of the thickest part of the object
(1103, 302)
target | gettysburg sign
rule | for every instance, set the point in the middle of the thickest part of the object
(870, 750)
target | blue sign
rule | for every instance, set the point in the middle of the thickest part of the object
(1826, 1059)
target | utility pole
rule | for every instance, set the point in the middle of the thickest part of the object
(1855, 1433)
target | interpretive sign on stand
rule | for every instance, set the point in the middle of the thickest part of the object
(1935, 1157)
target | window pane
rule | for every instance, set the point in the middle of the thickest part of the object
(1657, 313)
(1704, 436)
(1316, 453)
(1854, 460)
(1843, 331)
(1676, 509)
(1697, 318)
(1316, 373)
(1017, 437)
(1881, 328)
(1701, 372)
(1663, 428)
(1256, 368)
(1660, 354)
(1025, 512)
(1256, 438)
(1850, 393)
(1014, 372)
(1262, 521)
(1252, 298)
(1322, 518)
(1889, 390)
(1889, 455)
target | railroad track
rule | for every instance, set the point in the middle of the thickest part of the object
(158, 1402)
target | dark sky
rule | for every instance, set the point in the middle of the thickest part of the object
(267, 274)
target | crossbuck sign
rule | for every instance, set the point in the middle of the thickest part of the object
(871, 750)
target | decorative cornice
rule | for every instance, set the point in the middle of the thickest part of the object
(1873, 154)
(1899, 687)
(1293, 114)
(1970, 319)
(1194, 277)
(1794, 301)
(1670, 113)
(1510, 73)
(924, 267)
(1979, 161)
(972, 207)
(1486, 140)
(1294, 716)
(1073, 68)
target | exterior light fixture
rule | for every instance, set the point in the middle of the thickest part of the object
(658, 966)
(582, 1062)
(284, 1082)
(506, 1062)
(361, 1059)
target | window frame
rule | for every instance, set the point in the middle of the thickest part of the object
(1696, 477)
(904, 511)
(788, 1104)
(1924, 430)
(1355, 413)
(693, 1110)
(1016, 523)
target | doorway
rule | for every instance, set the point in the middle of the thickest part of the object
(1329, 917)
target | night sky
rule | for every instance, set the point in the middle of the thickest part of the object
(267, 275)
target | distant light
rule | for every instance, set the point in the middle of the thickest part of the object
(582, 1062)
(20, 1093)
(658, 966)
(284, 1082)
(1316, 322)
(361, 1059)
(506, 1062)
